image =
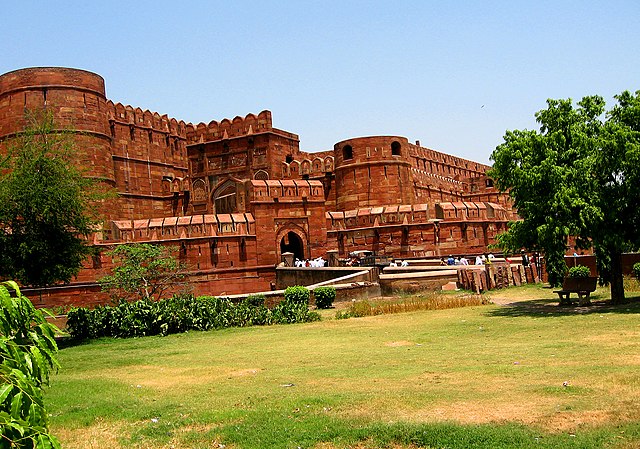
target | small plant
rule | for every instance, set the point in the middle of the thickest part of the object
(579, 272)
(324, 297)
(636, 270)
(297, 295)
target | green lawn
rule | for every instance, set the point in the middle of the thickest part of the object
(483, 377)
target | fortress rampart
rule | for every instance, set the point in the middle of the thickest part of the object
(232, 196)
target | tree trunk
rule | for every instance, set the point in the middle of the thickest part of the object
(617, 281)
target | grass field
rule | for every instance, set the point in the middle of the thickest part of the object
(494, 376)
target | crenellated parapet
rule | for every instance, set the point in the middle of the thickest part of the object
(181, 228)
(286, 191)
(145, 119)
(367, 217)
(237, 127)
(470, 211)
(443, 164)
(437, 181)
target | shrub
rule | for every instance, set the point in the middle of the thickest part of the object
(579, 272)
(636, 270)
(297, 294)
(288, 312)
(324, 297)
(181, 313)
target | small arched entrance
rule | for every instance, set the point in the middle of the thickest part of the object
(292, 243)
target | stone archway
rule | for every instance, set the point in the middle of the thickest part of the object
(224, 198)
(292, 243)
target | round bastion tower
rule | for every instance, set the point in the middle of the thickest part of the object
(76, 98)
(372, 171)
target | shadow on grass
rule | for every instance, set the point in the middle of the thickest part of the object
(550, 308)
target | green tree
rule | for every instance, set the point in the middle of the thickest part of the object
(27, 355)
(46, 206)
(578, 177)
(143, 271)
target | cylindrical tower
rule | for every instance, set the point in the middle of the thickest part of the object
(372, 171)
(76, 98)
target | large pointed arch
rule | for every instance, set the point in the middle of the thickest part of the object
(224, 197)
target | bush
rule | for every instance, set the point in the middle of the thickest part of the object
(324, 297)
(181, 313)
(297, 295)
(636, 270)
(579, 272)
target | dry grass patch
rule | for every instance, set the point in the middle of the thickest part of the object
(100, 435)
(395, 344)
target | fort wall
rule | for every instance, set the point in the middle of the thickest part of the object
(232, 196)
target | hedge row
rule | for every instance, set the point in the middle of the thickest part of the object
(182, 313)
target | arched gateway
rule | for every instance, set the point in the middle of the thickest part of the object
(292, 243)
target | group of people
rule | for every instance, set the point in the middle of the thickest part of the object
(404, 263)
(482, 259)
(317, 262)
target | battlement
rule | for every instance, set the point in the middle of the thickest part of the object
(434, 180)
(469, 211)
(180, 228)
(437, 162)
(136, 117)
(406, 214)
(237, 127)
(378, 216)
(286, 191)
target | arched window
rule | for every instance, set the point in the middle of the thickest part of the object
(395, 148)
(347, 152)
(224, 199)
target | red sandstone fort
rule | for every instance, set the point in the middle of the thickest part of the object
(234, 195)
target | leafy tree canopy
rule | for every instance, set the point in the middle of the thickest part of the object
(143, 271)
(576, 176)
(46, 206)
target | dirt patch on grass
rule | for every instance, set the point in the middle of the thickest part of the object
(107, 435)
(394, 344)
(101, 434)
(162, 378)
(245, 372)
(539, 412)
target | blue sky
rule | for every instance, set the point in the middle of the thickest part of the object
(454, 75)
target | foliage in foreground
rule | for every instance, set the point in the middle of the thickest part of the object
(27, 354)
(181, 313)
(431, 302)
(576, 176)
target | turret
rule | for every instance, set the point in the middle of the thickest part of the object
(76, 98)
